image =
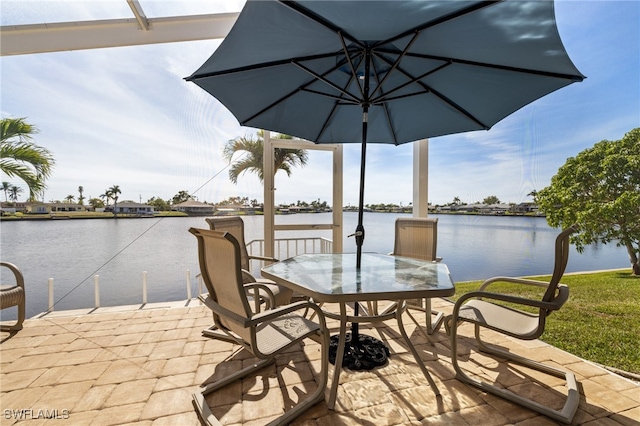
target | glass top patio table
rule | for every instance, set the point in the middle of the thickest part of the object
(333, 278)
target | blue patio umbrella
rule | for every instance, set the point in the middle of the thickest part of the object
(385, 71)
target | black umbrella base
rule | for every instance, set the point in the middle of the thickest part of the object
(365, 354)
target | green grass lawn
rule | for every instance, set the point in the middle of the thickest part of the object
(600, 322)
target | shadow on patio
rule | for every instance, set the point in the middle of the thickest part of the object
(140, 366)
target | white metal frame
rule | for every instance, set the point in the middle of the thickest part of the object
(269, 191)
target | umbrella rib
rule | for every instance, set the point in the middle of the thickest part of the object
(574, 78)
(261, 65)
(329, 95)
(435, 92)
(354, 74)
(395, 63)
(324, 80)
(440, 20)
(318, 19)
(385, 109)
(385, 96)
(303, 88)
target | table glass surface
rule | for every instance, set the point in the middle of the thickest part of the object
(334, 278)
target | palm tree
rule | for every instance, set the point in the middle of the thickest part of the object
(5, 187)
(114, 191)
(21, 157)
(13, 193)
(106, 197)
(81, 197)
(284, 158)
(69, 198)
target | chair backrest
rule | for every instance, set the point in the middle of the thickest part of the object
(219, 257)
(234, 226)
(560, 264)
(416, 237)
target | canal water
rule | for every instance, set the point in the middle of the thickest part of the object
(72, 252)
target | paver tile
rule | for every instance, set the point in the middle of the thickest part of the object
(141, 368)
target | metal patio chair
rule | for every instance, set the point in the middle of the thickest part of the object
(13, 295)
(265, 334)
(418, 238)
(235, 226)
(484, 308)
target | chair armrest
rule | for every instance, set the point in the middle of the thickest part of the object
(217, 309)
(257, 287)
(282, 310)
(247, 277)
(525, 281)
(504, 298)
(266, 259)
(16, 272)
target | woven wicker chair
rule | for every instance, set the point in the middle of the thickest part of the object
(13, 295)
(486, 309)
(265, 334)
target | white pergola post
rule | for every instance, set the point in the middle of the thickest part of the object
(421, 178)
(269, 191)
(269, 196)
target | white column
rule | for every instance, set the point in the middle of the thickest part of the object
(269, 196)
(421, 178)
(337, 198)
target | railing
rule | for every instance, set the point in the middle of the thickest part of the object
(289, 247)
(96, 290)
(285, 248)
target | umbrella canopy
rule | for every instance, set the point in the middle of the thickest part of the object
(385, 71)
(433, 67)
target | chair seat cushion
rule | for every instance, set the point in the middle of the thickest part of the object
(11, 296)
(274, 335)
(499, 317)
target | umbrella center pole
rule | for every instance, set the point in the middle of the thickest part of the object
(361, 352)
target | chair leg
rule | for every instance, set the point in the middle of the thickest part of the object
(207, 417)
(333, 392)
(564, 415)
(201, 406)
(11, 328)
(213, 333)
(318, 395)
(17, 326)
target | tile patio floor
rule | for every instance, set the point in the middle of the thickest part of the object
(140, 367)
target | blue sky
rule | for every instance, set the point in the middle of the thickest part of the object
(125, 116)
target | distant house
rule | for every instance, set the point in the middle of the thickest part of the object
(498, 209)
(130, 207)
(194, 208)
(12, 207)
(526, 207)
(37, 208)
(66, 207)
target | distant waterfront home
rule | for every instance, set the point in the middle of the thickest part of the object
(526, 207)
(129, 207)
(12, 207)
(64, 207)
(37, 208)
(498, 209)
(194, 208)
